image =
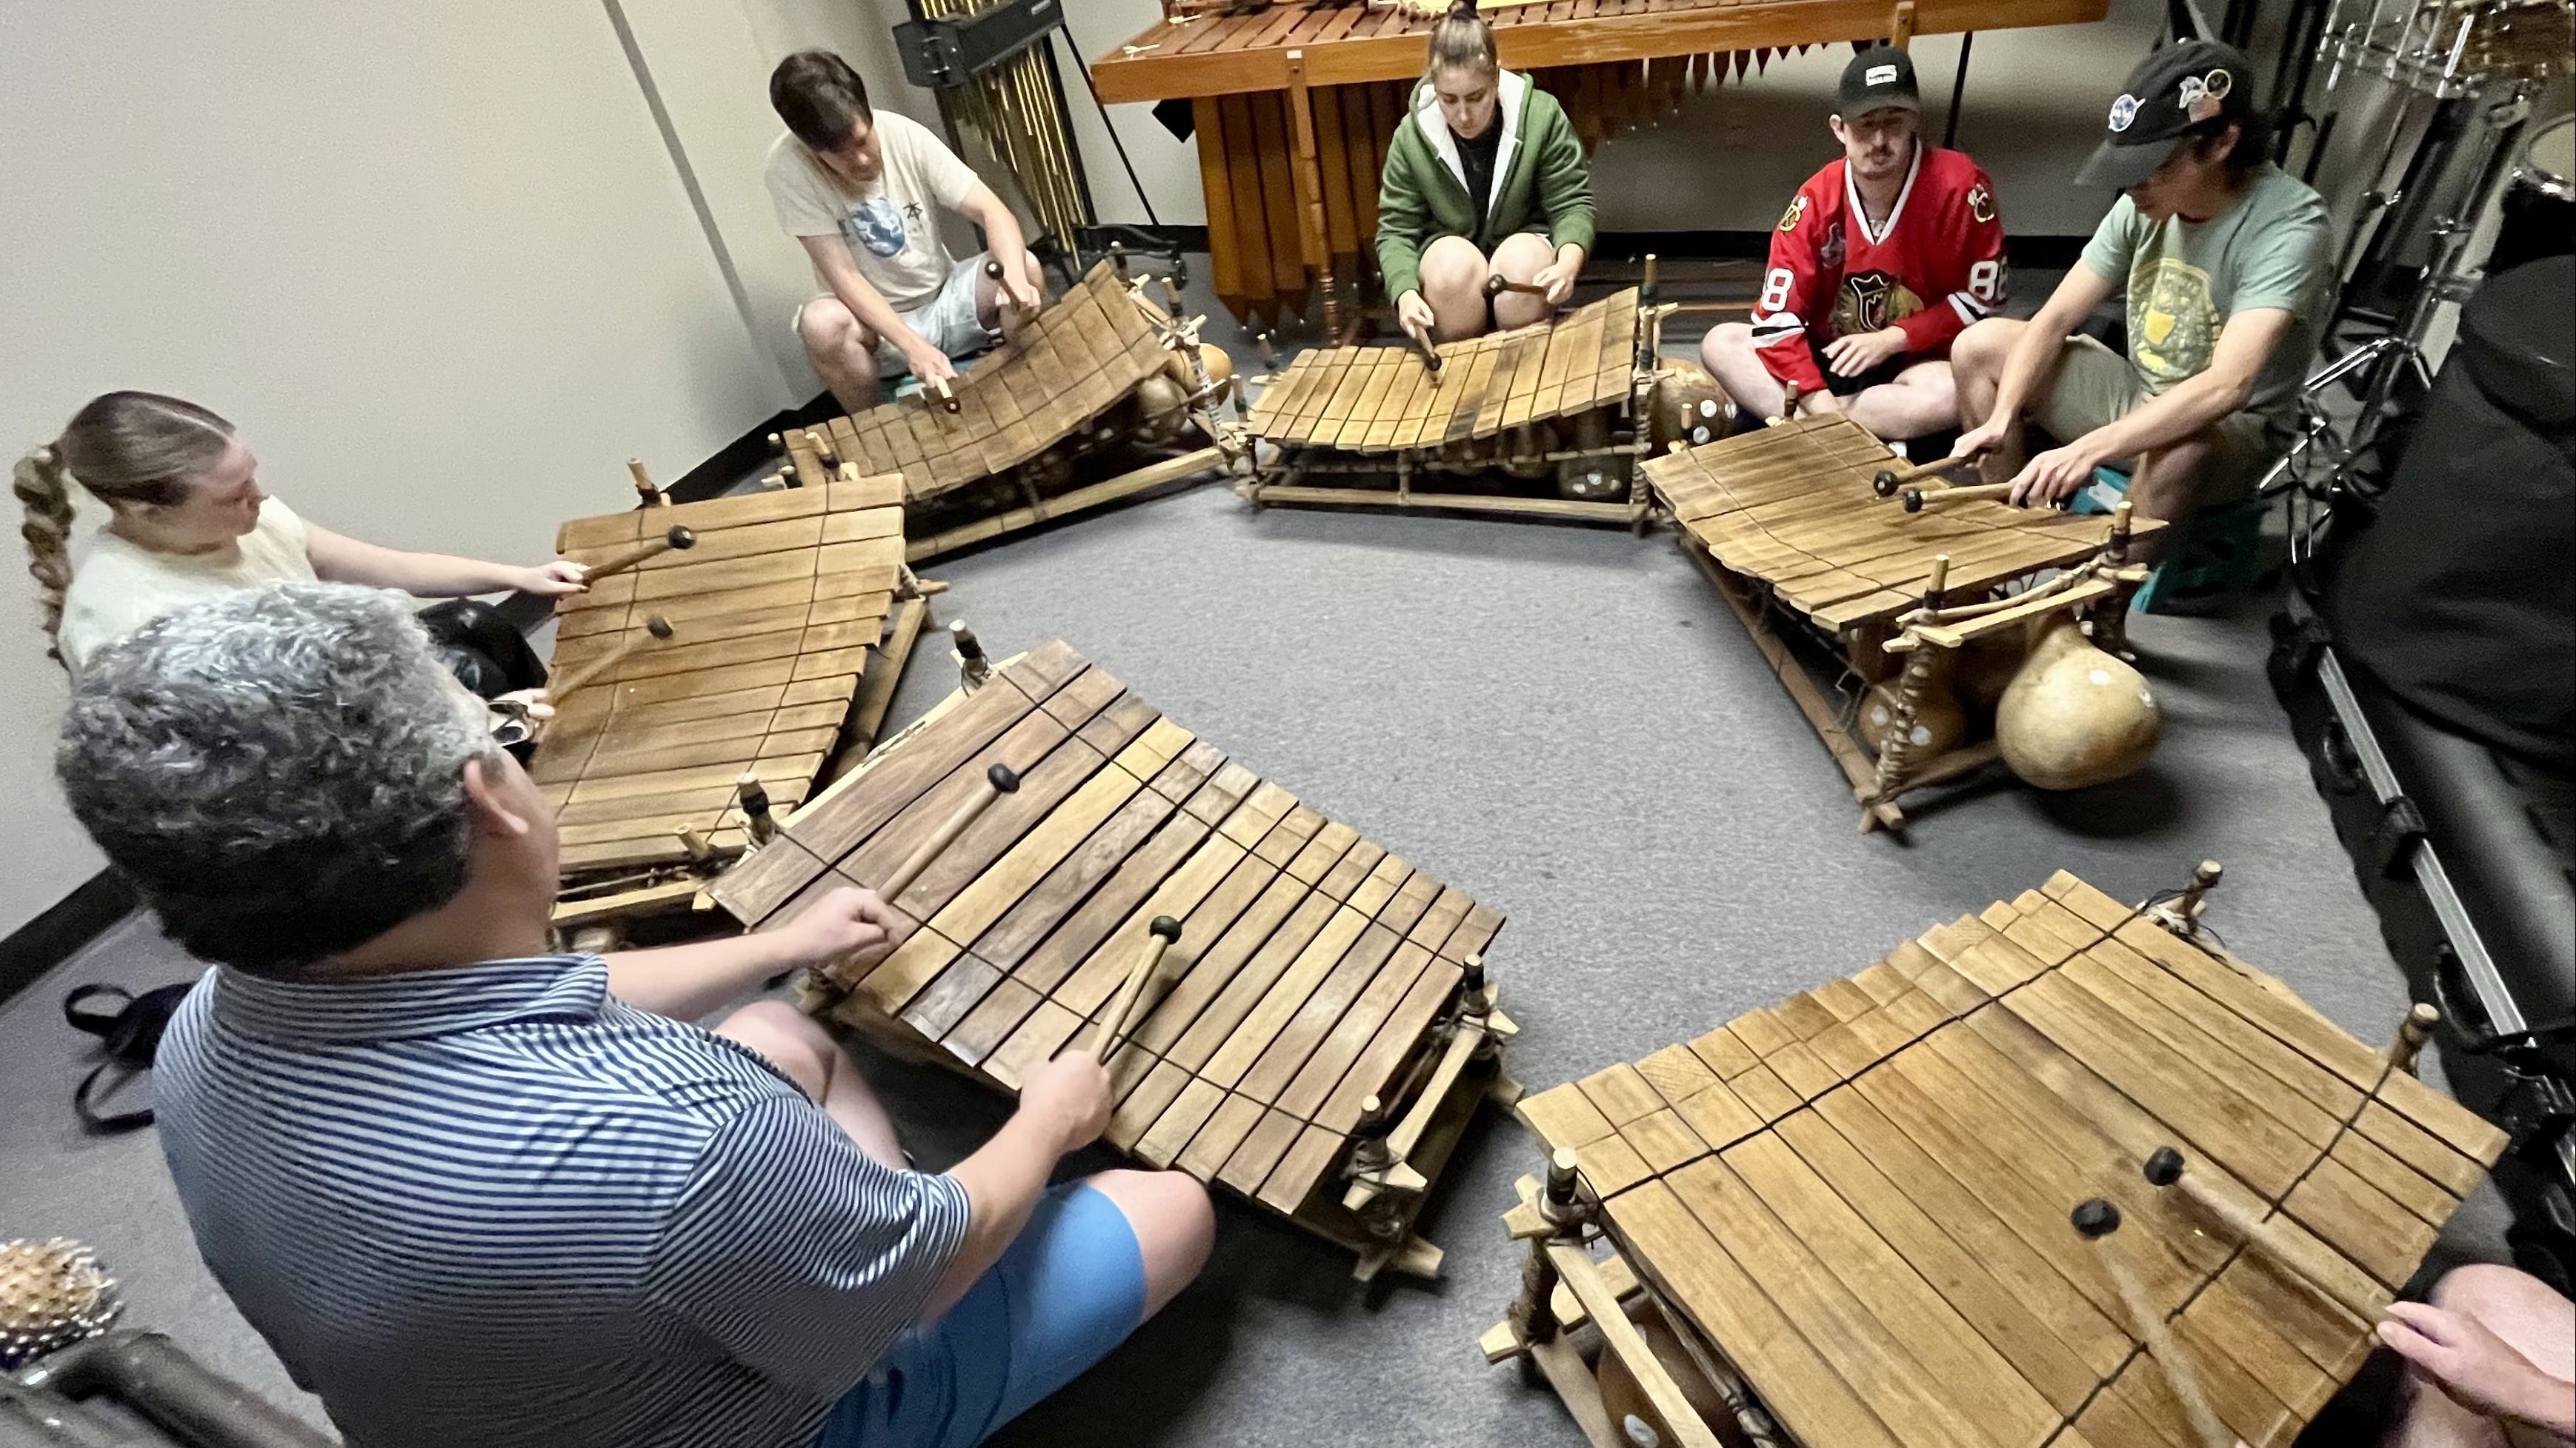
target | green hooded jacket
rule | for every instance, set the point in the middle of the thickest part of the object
(1542, 183)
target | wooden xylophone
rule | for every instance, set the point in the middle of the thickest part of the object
(751, 637)
(2061, 1172)
(1294, 104)
(1564, 402)
(1932, 612)
(1314, 1040)
(1098, 368)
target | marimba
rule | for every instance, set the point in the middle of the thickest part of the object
(1570, 403)
(1315, 1033)
(1294, 103)
(1921, 608)
(1100, 367)
(1874, 1216)
(701, 688)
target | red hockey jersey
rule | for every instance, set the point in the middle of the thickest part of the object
(1936, 266)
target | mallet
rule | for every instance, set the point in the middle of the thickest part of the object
(655, 626)
(1886, 481)
(973, 667)
(2097, 1220)
(2164, 1168)
(1010, 309)
(998, 781)
(1166, 933)
(946, 394)
(679, 537)
(1917, 498)
(1497, 284)
(649, 496)
(1430, 355)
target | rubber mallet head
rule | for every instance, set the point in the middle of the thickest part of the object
(1001, 777)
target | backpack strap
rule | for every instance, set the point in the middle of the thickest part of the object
(113, 1123)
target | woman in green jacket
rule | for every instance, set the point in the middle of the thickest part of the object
(1484, 178)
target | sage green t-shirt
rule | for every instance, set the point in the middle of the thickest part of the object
(2185, 279)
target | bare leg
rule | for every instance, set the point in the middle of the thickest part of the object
(1521, 257)
(1173, 1223)
(1453, 282)
(807, 1055)
(842, 350)
(988, 297)
(1977, 370)
(2530, 1318)
(1727, 352)
(1922, 398)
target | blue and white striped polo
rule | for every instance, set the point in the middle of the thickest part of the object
(490, 1206)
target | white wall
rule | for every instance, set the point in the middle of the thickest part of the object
(433, 259)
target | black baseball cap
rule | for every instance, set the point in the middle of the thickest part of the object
(2196, 85)
(1878, 76)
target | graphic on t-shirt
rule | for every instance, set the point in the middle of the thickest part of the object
(2174, 325)
(1870, 301)
(876, 225)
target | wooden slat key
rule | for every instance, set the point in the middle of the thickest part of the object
(2164, 1168)
(998, 781)
(1166, 932)
(679, 537)
(2096, 1220)
(655, 626)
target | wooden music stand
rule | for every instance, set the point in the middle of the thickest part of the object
(1853, 1208)
(1829, 575)
(791, 617)
(1314, 1041)
(1072, 386)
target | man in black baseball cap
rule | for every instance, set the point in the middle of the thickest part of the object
(2225, 261)
(1882, 258)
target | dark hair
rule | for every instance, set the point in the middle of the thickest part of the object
(1462, 38)
(820, 98)
(2253, 142)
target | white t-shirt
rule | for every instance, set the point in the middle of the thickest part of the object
(118, 587)
(891, 231)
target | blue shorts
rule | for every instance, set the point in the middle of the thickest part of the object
(1067, 1291)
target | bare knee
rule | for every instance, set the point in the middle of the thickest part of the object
(1727, 343)
(1452, 264)
(2489, 1294)
(1981, 349)
(1174, 1223)
(789, 1040)
(1523, 255)
(833, 336)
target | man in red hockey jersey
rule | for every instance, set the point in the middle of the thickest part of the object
(1882, 258)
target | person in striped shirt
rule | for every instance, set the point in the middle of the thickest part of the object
(473, 1191)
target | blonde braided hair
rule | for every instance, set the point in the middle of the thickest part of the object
(129, 450)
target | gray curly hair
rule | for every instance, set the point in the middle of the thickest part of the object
(279, 772)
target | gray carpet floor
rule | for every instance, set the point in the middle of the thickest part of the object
(1563, 721)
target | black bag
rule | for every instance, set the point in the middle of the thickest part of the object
(2461, 597)
(130, 1034)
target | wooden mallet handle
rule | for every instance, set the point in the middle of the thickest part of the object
(2097, 1220)
(655, 625)
(1886, 481)
(998, 781)
(946, 394)
(1430, 354)
(2264, 1239)
(1790, 392)
(679, 537)
(993, 269)
(1165, 932)
(1917, 498)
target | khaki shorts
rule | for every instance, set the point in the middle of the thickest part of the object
(947, 321)
(2094, 387)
